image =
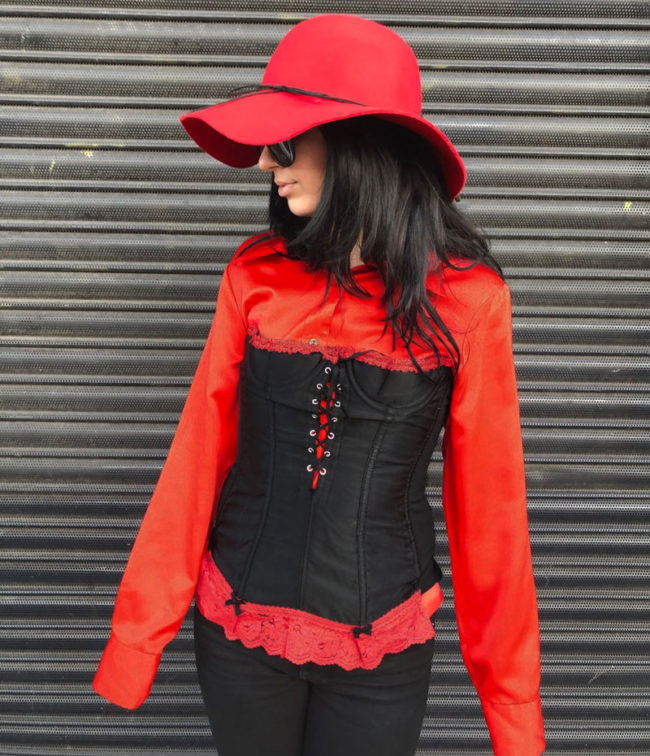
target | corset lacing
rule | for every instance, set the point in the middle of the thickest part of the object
(327, 402)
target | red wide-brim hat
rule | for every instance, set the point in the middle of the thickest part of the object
(326, 68)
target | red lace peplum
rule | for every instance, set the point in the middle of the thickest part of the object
(299, 636)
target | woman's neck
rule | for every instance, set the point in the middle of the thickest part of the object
(355, 256)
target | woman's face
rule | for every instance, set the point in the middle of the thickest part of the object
(302, 181)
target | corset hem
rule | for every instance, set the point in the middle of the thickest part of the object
(300, 636)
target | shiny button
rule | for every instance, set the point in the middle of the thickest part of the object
(313, 342)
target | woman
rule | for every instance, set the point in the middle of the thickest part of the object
(369, 315)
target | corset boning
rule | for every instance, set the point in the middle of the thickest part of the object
(324, 508)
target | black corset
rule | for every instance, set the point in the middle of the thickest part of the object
(345, 533)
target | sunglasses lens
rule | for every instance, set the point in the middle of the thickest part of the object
(283, 153)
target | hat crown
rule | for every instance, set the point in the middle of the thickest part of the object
(350, 57)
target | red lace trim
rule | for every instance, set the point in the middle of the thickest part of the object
(299, 636)
(335, 353)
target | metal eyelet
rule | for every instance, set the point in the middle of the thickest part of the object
(327, 453)
(310, 449)
(322, 471)
(310, 468)
(312, 432)
(319, 385)
(334, 419)
(337, 403)
(330, 435)
(338, 386)
(314, 401)
(328, 369)
(312, 414)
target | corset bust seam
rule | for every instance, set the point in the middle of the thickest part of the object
(259, 381)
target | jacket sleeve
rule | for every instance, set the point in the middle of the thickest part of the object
(161, 574)
(484, 502)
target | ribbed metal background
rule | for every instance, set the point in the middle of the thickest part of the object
(115, 230)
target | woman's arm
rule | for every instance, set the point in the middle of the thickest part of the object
(484, 500)
(159, 581)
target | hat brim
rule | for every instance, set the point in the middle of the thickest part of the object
(232, 131)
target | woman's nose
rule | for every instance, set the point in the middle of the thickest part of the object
(265, 161)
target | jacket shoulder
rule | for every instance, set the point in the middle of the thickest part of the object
(249, 267)
(466, 285)
(263, 244)
(460, 290)
(471, 278)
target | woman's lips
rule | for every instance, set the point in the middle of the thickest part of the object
(284, 189)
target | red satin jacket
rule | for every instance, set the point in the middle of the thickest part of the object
(279, 300)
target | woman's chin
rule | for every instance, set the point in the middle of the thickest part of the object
(302, 209)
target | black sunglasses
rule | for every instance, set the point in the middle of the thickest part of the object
(283, 153)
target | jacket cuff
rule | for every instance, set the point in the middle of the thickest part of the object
(515, 729)
(124, 675)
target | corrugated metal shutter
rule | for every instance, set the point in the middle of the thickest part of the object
(114, 232)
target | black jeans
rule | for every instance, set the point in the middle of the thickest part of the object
(263, 705)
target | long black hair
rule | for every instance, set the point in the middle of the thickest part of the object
(383, 181)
